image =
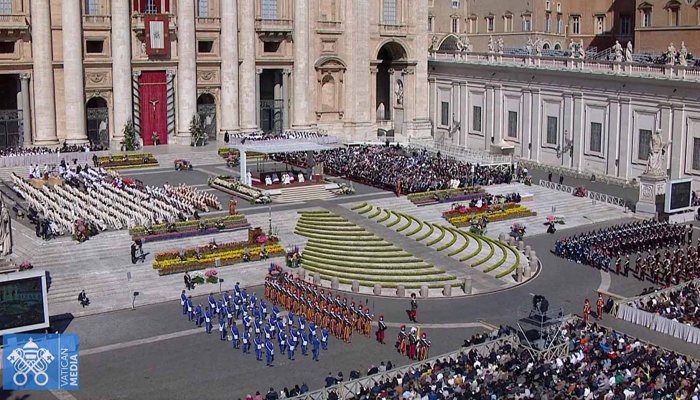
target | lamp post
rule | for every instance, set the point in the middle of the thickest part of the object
(269, 220)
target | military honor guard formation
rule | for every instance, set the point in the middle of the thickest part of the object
(663, 253)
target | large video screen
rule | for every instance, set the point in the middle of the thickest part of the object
(678, 195)
(23, 303)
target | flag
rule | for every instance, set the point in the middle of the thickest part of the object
(157, 35)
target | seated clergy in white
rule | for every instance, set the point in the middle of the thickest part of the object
(301, 177)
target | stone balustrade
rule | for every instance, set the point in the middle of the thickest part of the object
(643, 70)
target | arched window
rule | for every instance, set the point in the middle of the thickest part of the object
(545, 46)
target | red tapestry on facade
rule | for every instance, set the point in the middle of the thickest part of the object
(153, 106)
(157, 35)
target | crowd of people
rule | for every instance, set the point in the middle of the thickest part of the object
(681, 305)
(601, 364)
(400, 169)
(287, 134)
(105, 200)
(66, 148)
(657, 251)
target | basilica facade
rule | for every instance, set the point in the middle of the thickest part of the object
(80, 70)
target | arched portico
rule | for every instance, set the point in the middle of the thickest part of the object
(97, 115)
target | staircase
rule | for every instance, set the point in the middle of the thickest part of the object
(303, 193)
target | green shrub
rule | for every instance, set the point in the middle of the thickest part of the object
(439, 238)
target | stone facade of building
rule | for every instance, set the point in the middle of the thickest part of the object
(587, 116)
(79, 70)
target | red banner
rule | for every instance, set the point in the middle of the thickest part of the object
(157, 35)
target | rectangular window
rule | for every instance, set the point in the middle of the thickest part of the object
(675, 17)
(508, 24)
(91, 7)
(558, 7)
(576, 24)
(696, 153)
(490, 24)
(455, 25)
(552, 130)
(94, 46)
(271, 47)
(7, 47)
(455, 3)
(445, 113)
(599, 24)
(646, 18)
(202, 8)
(269, 9)
(560, 25)
(625, 24)
(527, 26)
(430, 23)
(205, 46)
(151, 7)
(596, 144)
(389, 12)
(5, 7)
(476, 118)
(644, 144)
(547, 5)
(547, 23)
(513, 124)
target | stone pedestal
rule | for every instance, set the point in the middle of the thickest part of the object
(467, 285)
(649, 187)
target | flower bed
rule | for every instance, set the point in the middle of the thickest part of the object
(446, 196)
(135, 160)
(473, 210)
(228, 254)
(231, 185)
(182, 229)
(519, 211)
(250, 155)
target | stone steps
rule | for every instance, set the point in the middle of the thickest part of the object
(303, 193)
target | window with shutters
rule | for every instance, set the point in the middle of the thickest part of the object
(202, 8)
(513, 124)
(91, 7)
(268, 9)
(389, 12)
(445, 113)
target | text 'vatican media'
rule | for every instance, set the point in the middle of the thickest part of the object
(40, 362)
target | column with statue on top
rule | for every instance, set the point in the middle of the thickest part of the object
(652, 182)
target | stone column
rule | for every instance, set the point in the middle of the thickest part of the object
(527, 124)
(579, 132)
(420, 103)
(626, 138)
(229, 66)
(258, 72)
(186, 67)
(678, 155)
(247, 78)
(359, 82)
(300, 119)
(613, 136)
(566, 131)
(26, 113)
(373, 93)
(285, 98)
(536, 125)
(243, 164)
(73, 76)
(463, 113)
(121, 67)
(487, 117)
(42, 54)
(497, 118)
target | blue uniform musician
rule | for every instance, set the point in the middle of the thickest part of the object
(207, 320)
(324, 338)
(269, 352)
(198, 315)
(246, 341)
(212, 302)
(190, 309)
(304, 341)
(315, 344)
(258, 343)
(282, 340)
(235, 337)
(183, 302)
(222, 329)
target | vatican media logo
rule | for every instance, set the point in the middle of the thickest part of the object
(40, 362)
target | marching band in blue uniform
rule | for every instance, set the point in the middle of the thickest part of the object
(257, 330)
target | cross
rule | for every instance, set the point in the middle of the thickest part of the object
(154, 103)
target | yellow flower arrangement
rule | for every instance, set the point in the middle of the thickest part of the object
(228, 255)
(508, 213)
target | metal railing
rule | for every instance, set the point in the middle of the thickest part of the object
(14, 21)
(602, 197)
(348, 389)
(276, 25)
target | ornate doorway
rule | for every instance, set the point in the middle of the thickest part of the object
(153, 107)
(98, 122)
(206, 109)
(272, 101)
